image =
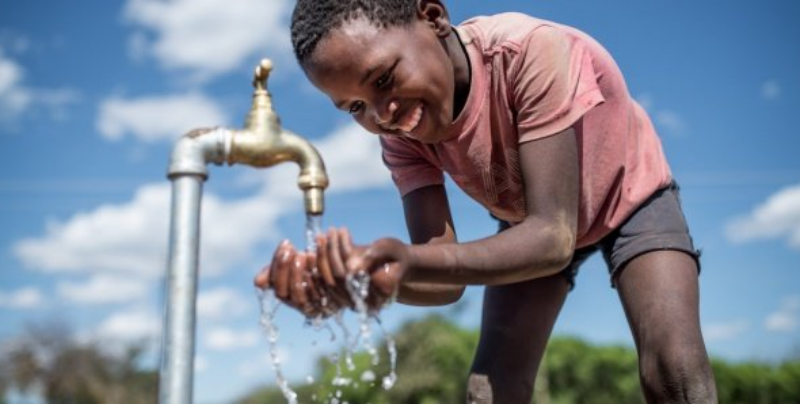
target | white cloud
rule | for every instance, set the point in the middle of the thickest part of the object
(134, 324)
(14, 97)
(24, 298)
(129, 240)
(17, 98)
(725, 331)
(15, 42)
(125, 240)
(104, 289)
(770, 90)
(158, 117)
(221, 303)
(224, 339)
(209, 37)
(671, 121)
(666, 119)
(787, 318)
(357, 168)
(778, 217)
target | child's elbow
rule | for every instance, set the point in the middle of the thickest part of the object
(560, 254)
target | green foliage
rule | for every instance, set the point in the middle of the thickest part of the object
(434, 358)
(757, 383)
(580, 373)
(46, 358)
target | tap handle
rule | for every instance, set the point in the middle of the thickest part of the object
(261, 74)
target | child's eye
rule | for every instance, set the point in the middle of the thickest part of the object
(356, 107)
(383, 80)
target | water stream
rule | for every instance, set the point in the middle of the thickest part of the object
(358, 287)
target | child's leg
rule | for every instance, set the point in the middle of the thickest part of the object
(517, 321)
(659, 291)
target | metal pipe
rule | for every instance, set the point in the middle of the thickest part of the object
(187, 172)
(268, 150)
(262, 143)
(178, 358)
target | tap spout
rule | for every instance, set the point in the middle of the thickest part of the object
(260, 150)
(263, 143)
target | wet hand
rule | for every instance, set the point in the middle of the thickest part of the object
(333, 250)
(292, 276)
(386, 261)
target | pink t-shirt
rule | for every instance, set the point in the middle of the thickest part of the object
(532, 79)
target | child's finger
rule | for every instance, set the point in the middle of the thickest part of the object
(261, 280)
(346, 243)
(281, 269)
(334, 254)
(298, 281)
(313, 290)
(323, 261)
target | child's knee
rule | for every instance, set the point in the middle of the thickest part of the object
(677, 375)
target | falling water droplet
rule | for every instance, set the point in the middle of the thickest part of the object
(389, 380)
(269, 306)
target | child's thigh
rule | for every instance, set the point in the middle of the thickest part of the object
(655, 267)
(660, 294)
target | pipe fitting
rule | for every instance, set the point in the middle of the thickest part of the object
(196, 149)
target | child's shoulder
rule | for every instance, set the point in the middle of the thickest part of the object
(505, 28)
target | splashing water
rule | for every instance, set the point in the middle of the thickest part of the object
(269, 306)
(390, 379)
(357, 286)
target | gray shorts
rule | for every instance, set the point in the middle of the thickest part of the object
(658, 224)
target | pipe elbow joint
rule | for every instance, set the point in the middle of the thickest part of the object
(197, 148)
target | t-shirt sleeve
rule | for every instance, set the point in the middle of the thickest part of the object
(409, 167)
(554, 84)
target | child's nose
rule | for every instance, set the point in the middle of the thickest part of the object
(386, 116)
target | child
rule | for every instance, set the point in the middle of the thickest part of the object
(533, 120)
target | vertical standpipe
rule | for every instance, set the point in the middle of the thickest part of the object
(187, 171)
(178, 358)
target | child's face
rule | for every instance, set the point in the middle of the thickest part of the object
(394, 81)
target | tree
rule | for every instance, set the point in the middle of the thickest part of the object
(46, 358)
(434, 355)
(434, 358)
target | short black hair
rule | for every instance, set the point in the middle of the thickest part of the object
(312, 20)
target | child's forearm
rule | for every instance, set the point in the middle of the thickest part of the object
(429, 294)
(532, 249)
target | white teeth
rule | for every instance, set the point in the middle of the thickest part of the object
(411, 122)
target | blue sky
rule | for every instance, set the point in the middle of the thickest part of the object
(94, 93)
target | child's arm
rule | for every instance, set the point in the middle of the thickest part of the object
(429, 221)
(539, 246)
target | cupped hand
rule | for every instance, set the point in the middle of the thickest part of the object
(291, 275)
(386, 261)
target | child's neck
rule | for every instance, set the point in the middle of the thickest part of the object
(462, 72)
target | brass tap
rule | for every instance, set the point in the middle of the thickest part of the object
(263, 143)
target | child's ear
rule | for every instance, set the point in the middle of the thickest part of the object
(433, 13)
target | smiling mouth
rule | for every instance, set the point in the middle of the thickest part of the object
(410, 121)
